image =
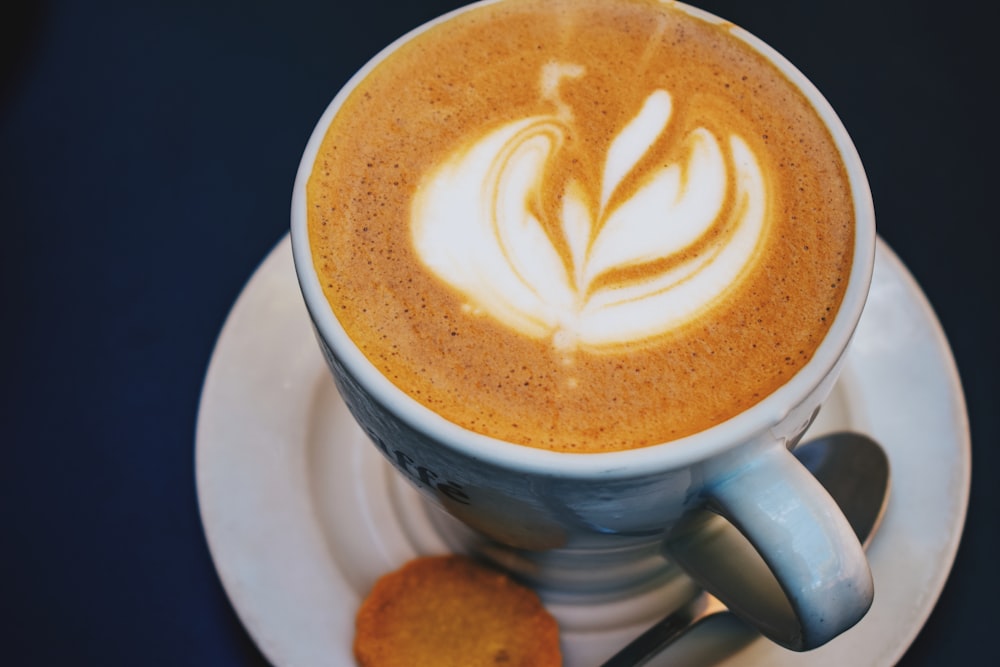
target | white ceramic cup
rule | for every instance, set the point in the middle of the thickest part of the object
(598, 521)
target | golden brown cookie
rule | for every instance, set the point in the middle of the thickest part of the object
(450, 611)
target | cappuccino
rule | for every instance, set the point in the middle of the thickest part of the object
(581, 225)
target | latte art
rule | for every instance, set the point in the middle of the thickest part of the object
(475, 224)
(581, 225)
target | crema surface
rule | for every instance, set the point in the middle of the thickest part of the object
(587, 225)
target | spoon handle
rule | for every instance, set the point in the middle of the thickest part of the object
(653, 640)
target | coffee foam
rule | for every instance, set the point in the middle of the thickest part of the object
(474, 225)
(565, 309)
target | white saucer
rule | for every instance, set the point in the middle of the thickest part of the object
(302, 514)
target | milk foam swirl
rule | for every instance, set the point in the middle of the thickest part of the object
(475, 225)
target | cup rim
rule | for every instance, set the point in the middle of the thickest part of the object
(672, 454)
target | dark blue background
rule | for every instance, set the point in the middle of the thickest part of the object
(147, 152)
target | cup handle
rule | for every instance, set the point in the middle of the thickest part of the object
(794, 569)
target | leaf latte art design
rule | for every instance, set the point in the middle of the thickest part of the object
(475, 225)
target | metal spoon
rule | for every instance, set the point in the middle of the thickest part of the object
(854, 470)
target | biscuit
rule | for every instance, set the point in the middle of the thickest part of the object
(450, 611)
